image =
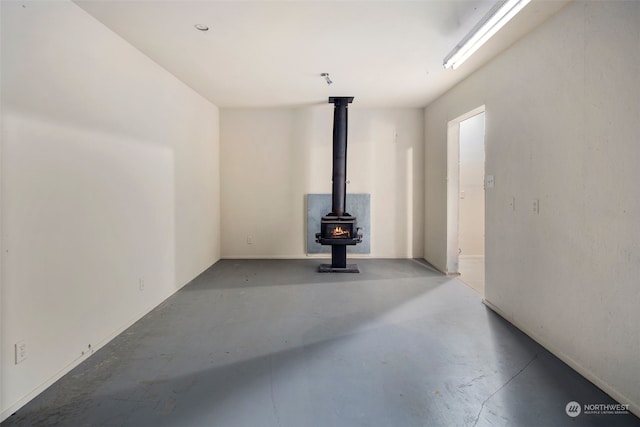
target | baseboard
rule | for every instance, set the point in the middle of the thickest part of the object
(634, 407)
(266, 257)
(314, 256)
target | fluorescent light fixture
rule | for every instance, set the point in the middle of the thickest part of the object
(497, 17)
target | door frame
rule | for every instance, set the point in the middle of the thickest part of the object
(453, 187)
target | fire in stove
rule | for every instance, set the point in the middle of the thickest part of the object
(332, 227)
(339, 232)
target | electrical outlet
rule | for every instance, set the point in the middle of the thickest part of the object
(490, 181)
(21, 351)
(141, 284)
(512, 203)
(536, 206)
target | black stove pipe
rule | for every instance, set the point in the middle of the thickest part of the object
(339, 177)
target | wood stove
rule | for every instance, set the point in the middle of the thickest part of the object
(338, 228)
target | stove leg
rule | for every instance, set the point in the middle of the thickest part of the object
(338, 262)
(339, 256)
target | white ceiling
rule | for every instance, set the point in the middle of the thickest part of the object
(271, 53)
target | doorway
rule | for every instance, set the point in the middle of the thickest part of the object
(466, 198)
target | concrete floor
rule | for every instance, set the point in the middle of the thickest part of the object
(273, 343)
(472, 272)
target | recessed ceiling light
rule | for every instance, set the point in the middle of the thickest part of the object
(201, 27)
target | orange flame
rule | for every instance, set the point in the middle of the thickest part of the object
(339, 232)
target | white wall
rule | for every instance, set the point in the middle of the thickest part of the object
(471, 206)
(271, 158)
(110, 175)
(563, 120)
